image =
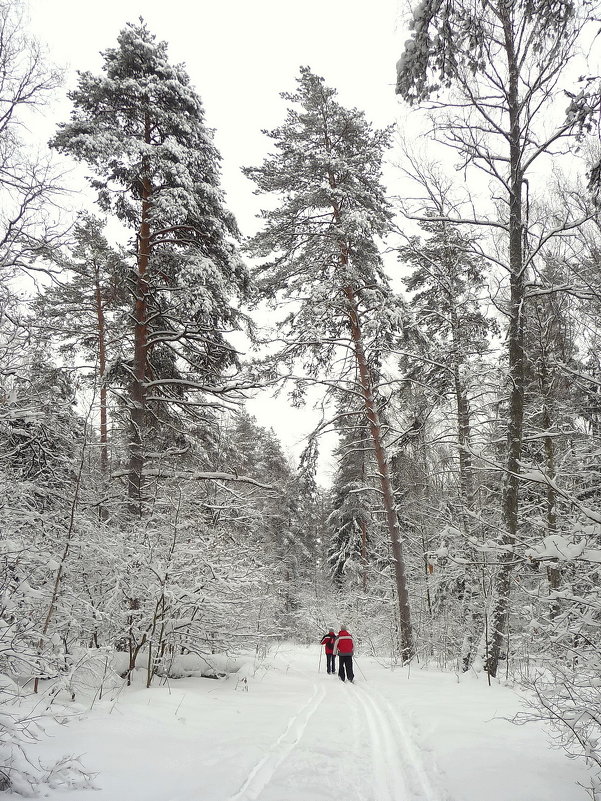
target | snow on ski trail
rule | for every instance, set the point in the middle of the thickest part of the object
(264, 770)
(398, 765)
(301, 735)
(372, 759)
(389, 779)
(319, 752)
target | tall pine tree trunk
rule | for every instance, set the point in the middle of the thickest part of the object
(375, 430)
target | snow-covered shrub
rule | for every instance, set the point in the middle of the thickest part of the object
(565, 629)
(23, 718)
(210, 666)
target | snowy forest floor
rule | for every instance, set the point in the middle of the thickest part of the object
(299, 735)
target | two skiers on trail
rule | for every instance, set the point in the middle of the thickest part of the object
(339, 645)
(328, 640)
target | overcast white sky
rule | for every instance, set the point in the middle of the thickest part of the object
(240, 54)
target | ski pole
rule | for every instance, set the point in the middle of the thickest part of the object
(359, 666)
(319, 668)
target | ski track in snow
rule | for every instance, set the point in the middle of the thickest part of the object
(388, 778)
(398, 768)
(264, 770)
(396, 761)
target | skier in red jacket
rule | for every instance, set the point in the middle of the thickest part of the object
(328, 641)
(344, 649)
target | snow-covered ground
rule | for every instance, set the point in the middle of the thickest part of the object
(290, 733)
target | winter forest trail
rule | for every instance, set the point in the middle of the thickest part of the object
(369, 753)
(292, 733)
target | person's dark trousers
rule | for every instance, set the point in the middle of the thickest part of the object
(345, 665)
(331, 663)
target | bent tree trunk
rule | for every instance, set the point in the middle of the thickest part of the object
(375, 430)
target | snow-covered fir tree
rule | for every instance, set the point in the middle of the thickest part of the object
(322, 240)
(447, 286)
(140, 126)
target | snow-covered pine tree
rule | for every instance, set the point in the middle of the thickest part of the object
(275, 522)
(447, 282)
(350, 519)
(140, 126)
(321, 237)
(548, 447)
